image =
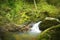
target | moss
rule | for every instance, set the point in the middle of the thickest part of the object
(52, 33)
(48, 23)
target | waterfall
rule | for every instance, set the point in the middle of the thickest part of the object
(35, 28)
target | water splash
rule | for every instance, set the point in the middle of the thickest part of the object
(35, 28)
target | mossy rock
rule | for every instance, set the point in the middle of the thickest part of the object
(52, 33)
(48, 23)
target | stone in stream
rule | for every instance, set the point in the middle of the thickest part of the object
(52, 33)
(48, 22)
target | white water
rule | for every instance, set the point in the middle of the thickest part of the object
(35, 28)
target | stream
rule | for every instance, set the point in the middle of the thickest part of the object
(35, 28)
(31, 34)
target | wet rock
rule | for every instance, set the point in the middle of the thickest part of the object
(47, 23)
(52, 33)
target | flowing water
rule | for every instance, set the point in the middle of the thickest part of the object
(33, 33)
(35, 28)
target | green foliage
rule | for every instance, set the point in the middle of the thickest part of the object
(3, 21)
(18, 11)
(9, 9)
(52, 10)
(26, 11)
(54, 2)
(32, 1)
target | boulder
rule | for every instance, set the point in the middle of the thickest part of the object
(52, 33)
(47, 23)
